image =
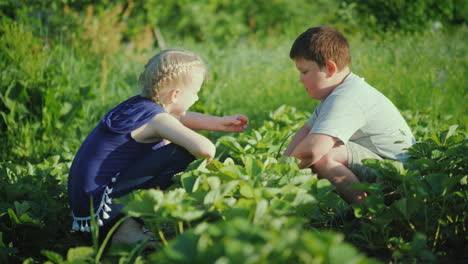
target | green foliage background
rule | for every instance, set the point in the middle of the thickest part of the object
(63, 64)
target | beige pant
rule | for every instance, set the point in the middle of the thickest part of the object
(357, 153)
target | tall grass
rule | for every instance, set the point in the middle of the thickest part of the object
(424, 71)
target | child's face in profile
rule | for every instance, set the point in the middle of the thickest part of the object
(188, 94)
(313, 78)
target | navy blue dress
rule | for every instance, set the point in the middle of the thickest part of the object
(110, 163)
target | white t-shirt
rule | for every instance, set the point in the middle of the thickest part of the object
(357, 112)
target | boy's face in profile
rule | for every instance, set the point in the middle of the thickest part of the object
(313, 78)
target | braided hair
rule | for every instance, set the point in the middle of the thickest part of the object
(168, 68)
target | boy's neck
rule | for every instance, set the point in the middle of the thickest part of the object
(341, 76)
(337, 79)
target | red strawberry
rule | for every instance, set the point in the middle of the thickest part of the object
(243, 120)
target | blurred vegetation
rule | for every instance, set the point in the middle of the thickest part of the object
(407, 16)
(205, 20)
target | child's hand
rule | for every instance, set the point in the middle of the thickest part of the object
(234, 123)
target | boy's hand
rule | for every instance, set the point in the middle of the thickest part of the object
(234, 123)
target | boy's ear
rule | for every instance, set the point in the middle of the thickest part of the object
(331, 68)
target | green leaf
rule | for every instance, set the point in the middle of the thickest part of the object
(231, 171)
(228, 162)
(324, 187)
(213, 182)
(191, 215)
(302, 198)
(21, 208)
(450, 132)
(211, 197)
(183, 249)
(52, 256)
(80, 253)
(188, 180)
(260, 210)
(218, 193)
(436, 181)
(199, 165)
(228, 187)
(268, 161)
(464, 180)
(280, 207)
(257, 134)
(246, 190)
(358, 211)
(175, 196)
(148, 203)
(252, 166)
(13, 218)
(436, 139)
(424, 163)
(27, 219)
(437, 154)
(407, 206)
(66, 107)
(214, 165)
(343, 253)
(232, 144)
(420, 150)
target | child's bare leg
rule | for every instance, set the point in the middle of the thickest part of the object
(340, 176)
(333, 167)
(131, 231)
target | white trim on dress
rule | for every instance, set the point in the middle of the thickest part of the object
(83, 223)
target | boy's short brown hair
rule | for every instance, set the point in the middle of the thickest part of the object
(321, 44)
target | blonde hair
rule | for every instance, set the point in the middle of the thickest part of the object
(169, 67)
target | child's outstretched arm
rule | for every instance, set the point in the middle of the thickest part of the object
(198, 121)
(165, 126)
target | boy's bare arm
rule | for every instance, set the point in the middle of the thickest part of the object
(198, 121)
(300, 135)
(312, 148)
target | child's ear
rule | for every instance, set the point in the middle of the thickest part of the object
(173, 95)
(331, 68)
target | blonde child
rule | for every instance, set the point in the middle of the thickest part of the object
(143, 142)
(352, 122)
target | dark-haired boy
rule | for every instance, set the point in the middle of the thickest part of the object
(352, 122)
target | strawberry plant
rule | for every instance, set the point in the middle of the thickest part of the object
(32, 205)
(428, 219)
